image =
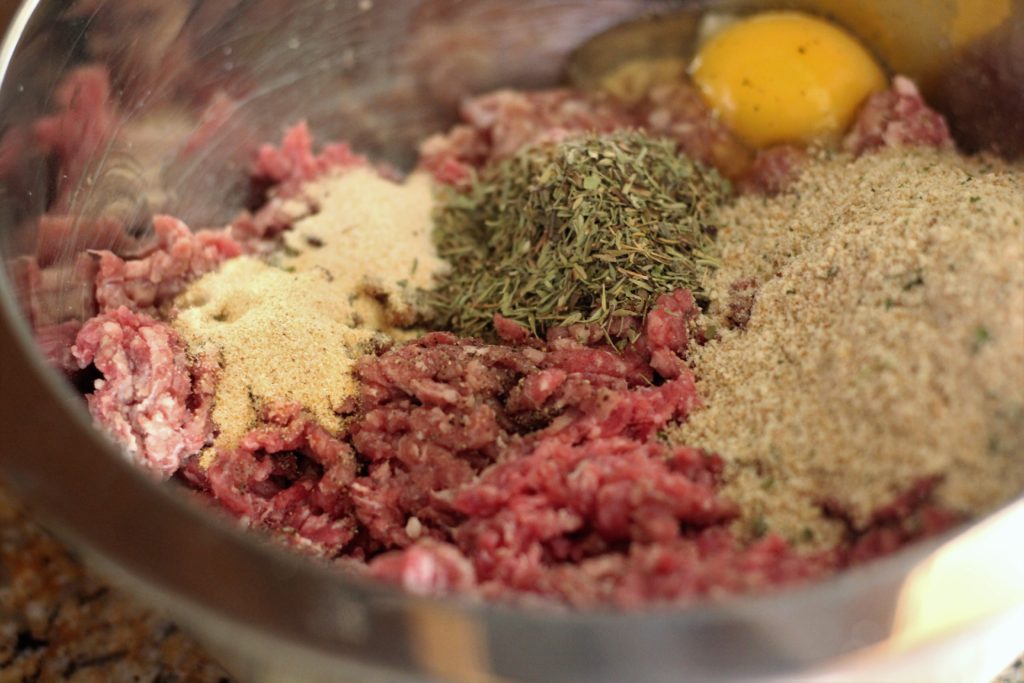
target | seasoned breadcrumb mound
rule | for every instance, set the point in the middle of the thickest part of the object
(884, 346)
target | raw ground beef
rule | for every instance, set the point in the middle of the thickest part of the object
(56, 343)
(498, 124)
(277, 178)
(677, 111)
(773, 170)
(897, 117)
(56, 295)
(82, 265)
(501, 123)
(910, 516)
(296, 479)
(288, 166)
(154, 278)
(526, 469)
(55, 300)
(52, 295)
(151, 399)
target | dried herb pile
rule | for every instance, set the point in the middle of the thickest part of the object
(585, 230)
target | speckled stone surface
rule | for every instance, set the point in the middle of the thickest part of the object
(60, 623)
(1014, 673)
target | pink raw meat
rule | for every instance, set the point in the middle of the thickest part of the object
(897, 117)
(499, 124)
(154, 278)
(289, 476)
(151, 399)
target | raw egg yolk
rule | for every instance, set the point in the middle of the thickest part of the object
(785, 77)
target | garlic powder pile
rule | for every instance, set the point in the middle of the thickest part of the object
(292, 330)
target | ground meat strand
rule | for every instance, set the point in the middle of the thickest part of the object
(678, 111)
(277, 180)
(292, 477)
(897, 117)
(476, 466)
(154, 278)
(293, 163)
(151, 399)
(529, 512)
(501, 123)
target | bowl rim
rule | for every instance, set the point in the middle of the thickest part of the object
(83, 489)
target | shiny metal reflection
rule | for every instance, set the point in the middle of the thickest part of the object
(382, 74)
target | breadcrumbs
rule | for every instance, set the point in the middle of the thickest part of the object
(885, 344)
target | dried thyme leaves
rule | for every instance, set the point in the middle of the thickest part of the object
(583, 231)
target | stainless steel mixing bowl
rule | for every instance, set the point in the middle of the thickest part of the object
(383, 73)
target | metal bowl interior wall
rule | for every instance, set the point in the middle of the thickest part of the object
(382, 75)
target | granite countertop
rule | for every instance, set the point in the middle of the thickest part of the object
(58, 622)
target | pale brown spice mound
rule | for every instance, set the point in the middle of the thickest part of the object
(292, 330)
(886, 342)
